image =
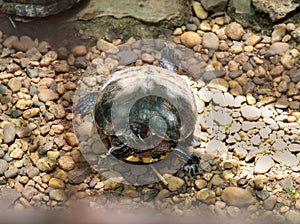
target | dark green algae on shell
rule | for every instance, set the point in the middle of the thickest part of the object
(35, 8)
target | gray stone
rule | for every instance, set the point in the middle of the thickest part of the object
(295, 76)
(238, 197)
(32, 172)
(174, 183)
(270, 202)
(11, 172)
(210, 41)
(78, 175)
(286, 158)
(9, 133)
(15, 84)
(7, 197)
(206, 195)
(127, 57)
(263, 164)
(296, 34)
(282, 103)
(210, 75)
(3, 166)
(214, 5)
(293, 216)
(58, 195)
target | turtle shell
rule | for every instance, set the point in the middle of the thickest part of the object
(147, 107)
(35, 8)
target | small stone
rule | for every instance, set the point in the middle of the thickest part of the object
(277, 48)
(3, 166)
(148, 58)
(200, 184)
(58, 195)
(11, 172)
(190, 39)
(260, 181)
(278, 32)
(234, 31)
(264, 132)
(107, 47)
(282, 103)
(279, 145)
(199, 10)
(216, 147)
(286, 158)
(56, 183)
(79, 50)
(8, 197)
(9, 133)
(214, 6)
(57, 110)
(270, 202)
(45, 164)
(219, 83)
(210, 41)
(294, 147)
(62, 66)
(250, 113)
(66, 163)
(48, 58)
(253, 40)
(29, 192)
(47, 95)
(263, 164)
(33, 172)
(15, 84)
(17, 153)
(206, 195)
(71, 139)
(78, 175)
(293, 216)
(174, 183)
(238, 197)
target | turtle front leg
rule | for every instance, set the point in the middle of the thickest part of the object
(191, 161)
(119, 149)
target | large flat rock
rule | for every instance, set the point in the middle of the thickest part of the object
(151, 11)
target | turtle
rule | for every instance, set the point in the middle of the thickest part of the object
(35, 8)
(145, 112)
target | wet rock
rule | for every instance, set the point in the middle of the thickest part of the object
(190, 39)
(9, 133)
(293, 216)
(61, 66)
(214, 5)
(24, 44)
(78, 175)
(210, 41)
(234, 31)
(200, 184)
(238, 197)
(79, 50)
(270, 202)
(206, 195)
(107, 47)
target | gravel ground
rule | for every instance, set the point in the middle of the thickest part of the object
(248, 127)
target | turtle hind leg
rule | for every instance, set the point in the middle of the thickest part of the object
(191, 161)
(120, 151)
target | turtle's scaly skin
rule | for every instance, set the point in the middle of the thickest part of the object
(35, 8)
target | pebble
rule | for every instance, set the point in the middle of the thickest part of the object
(45, 164)
(11, 172)
(58, 195)
(3, 166)
(107, 47)
(47, 95)
(174, 183)
(270, 202)
(206, 195)
(210, 41)
(79, 50)
(234, 31)
(286, 158)
(199, 10)
(200, 184)
(66, 163)
(15, 84)
(17, 153)
(9, 133)
(253, 40)
(56, 183)
(238, 197)
(190, 39)
(29, 192)
(219, 83)
(250, 113)
(263, 164)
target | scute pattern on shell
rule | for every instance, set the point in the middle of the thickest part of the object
(143, 95)
(35, 8)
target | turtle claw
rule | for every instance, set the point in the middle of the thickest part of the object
(192, 169)
(192, 162)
